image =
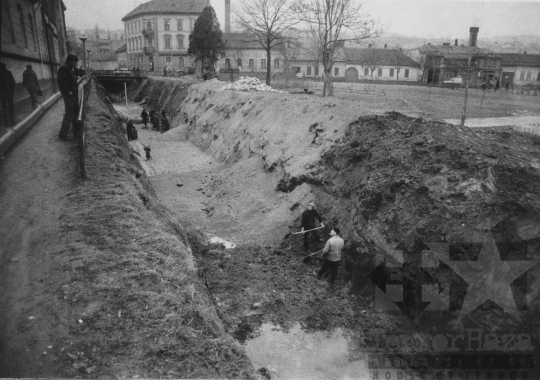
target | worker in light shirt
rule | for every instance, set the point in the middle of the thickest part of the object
(332, 255)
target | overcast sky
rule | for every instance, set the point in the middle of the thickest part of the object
(433, 18)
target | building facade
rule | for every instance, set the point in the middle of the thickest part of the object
(157, 34)
(520, 70)
(33, 32)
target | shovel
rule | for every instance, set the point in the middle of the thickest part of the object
(303, 232)
(307, 258)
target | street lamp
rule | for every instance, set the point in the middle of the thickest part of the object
(88, 55)
(83, 38)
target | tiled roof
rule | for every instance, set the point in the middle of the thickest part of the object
(168, 6)
(241, 41)
(380, 57)
(451, 51)
(517, 59)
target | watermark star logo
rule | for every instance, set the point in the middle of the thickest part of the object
(412, 283)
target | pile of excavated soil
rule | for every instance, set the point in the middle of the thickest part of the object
(131, 300)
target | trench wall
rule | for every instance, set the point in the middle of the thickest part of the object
(380, 173)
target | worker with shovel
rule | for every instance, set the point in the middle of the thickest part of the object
(308, 224)
(332, 255)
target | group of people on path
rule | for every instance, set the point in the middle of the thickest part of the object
(7, 90)
(158, 121)
(331, 253)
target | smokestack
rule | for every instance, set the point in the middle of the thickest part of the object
(473, 37)
(455, 43)
(227, 16)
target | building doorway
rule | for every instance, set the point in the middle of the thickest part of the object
(351, 74)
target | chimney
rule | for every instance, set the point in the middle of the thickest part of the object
(385, 48)
(473, 37)
(227, 16)
(455, 43)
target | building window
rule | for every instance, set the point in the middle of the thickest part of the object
(309, 70)
(391, 72)
(239, 62)
(379, 72)
(406, 73)
(149, 26)
(251, 63)
(7, 10)
(522, 76)
(227, 62)
(366, 71)
(32, 30)
(263, 63)
(179, 25)
(317, 71)
(191, 24)
(538, 78)
(167, 42)
(23, 25)
(167, 25)
(180, 39)
(276, 63)
(529, 75)
(336, 71)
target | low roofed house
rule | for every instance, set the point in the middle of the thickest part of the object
(157, 33)
(520, 70)
(379, 64)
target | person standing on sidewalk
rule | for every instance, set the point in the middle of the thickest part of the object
(309, 216)
(69, 89)
(332, 255)
(31, 83)
(7, 89)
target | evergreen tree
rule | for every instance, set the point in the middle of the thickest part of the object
(205, 42)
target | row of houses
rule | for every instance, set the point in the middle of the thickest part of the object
(157, 40)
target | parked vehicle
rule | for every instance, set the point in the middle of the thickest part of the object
(188, 70)
(454, 82)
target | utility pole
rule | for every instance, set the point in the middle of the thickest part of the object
(472, 43)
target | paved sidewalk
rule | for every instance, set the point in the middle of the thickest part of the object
(486, 122)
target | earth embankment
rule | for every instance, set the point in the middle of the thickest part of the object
(384, 175)
(113, 290)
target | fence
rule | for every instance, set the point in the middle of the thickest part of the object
(529, 123)
(81, 124)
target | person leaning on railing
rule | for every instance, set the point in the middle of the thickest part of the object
(67, 82)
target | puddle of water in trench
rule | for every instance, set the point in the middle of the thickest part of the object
(218, 240)
(297, 354)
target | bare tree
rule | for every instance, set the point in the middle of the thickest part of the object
(399, 58)
(266, 20)
(333, 22)
(290, 50)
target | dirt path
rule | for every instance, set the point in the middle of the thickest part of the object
(36, 175)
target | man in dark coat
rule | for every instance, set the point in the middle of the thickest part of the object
(129, 130)
(31, 83)
(7, 89)
(144, 116)
(68, 88)
(165, 125)
(309, 217)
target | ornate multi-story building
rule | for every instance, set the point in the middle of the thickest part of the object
(157, 33)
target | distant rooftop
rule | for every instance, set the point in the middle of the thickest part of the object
(382, 57)
(168, 6)
(518, 59)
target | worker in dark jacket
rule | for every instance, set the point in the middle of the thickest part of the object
(7, 89)
(144, 117)
(129, 130)
(309, 218)
(68, 88)
(31, 83)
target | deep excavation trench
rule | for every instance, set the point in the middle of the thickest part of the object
(247, 162)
